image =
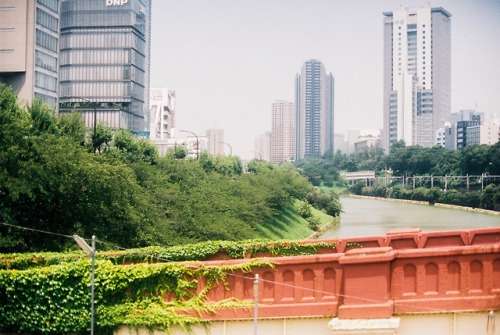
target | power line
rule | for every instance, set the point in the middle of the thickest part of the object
(35, 230)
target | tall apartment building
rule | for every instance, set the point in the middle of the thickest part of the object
(283, 132)
(105, 61)
(216, 142)
(314, 110)
(162, 113)
(263, 147)
(29, 41)
(417, 75)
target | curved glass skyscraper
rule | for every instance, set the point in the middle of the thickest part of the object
(105, 61)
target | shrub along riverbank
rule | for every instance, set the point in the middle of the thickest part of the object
(488, 199)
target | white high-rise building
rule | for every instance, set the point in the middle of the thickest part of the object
(314, 110)
(283, 132)
(162, 113)
(417, 75)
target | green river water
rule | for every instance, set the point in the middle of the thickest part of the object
(369, 217)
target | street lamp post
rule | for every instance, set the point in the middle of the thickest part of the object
(258, 153)
(197, 141)
(230, 148)
(95, 115)
(90, 252)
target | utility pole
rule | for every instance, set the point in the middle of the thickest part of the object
(256, 297)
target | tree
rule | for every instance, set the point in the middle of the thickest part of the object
(474, 159)
(494, 156)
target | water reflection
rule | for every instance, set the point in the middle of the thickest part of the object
(368, 217)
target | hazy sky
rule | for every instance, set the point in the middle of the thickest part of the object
(228, 60)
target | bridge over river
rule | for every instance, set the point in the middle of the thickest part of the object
(401, 282)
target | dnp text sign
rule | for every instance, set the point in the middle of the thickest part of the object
(116, 2)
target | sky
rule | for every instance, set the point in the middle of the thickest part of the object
(228, 60)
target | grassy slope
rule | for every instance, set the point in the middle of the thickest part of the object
(289, 225)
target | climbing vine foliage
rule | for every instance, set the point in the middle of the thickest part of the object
(56, 299)
(49, 293)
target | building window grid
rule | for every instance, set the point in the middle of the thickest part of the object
(47, 20)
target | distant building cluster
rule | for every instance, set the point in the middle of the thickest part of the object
(304, 128)
(466, 128)
(94, 57)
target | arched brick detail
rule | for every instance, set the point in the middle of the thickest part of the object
(268, 289)
(329, 282)
(496, 274)
(476, 276)
(289, 282)
(431, 278)
(453, 280)
(409, 280)
(308, 283)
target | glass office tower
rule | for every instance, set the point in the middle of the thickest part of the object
(105, 61)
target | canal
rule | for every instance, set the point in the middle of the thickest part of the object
(370, 217)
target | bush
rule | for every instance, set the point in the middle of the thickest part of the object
(380, 190)
(357, 188)
(314, 222)
(488, 196)
(433, 195)
(304, 209)
(419, 194)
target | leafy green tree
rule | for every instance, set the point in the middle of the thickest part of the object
(178, 152)
(72, 126)
(134, 150)
(101, 138)
(474, 159)
(488, 196)
(494, 156)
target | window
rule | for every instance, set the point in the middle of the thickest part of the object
(50, 4)
(45, 19)
(45, 40)
(46, 61)
(45, 81)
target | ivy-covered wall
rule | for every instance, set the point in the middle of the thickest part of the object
(49, 293)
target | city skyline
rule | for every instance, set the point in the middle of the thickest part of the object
(228, 61)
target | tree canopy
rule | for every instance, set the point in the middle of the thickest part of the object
(57, 177)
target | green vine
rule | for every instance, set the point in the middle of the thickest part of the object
(193, 252)
(56, 299)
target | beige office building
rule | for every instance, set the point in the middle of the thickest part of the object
(263, 147)
(29, 44)
(216, 142)
(283, 132)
